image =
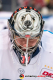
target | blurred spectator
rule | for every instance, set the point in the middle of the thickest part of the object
(0, 5)
(6, 5)
(46, 1)
(19, 3)
(45, 11)
(38, 4)
(33, 3)
(26, 2)
(50, 5)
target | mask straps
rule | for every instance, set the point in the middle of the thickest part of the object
(26, 54)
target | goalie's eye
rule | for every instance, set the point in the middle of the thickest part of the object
(23, 17)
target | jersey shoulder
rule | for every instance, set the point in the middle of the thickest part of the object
(47, 40)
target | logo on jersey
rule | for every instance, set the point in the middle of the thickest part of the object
(47, 73)
(21, 72)
(21, 76)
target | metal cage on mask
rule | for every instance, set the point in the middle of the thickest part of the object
(22, 17)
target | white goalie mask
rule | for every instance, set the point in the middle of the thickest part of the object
(25, 29)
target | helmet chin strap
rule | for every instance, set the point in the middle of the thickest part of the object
(26, 54)
(26, 57)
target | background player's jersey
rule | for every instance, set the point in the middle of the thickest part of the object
(40, 65)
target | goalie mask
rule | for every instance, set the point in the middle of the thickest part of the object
(25, 29)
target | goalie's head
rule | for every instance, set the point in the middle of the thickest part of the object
(25, 27)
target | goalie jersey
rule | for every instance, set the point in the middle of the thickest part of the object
(40, 67)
